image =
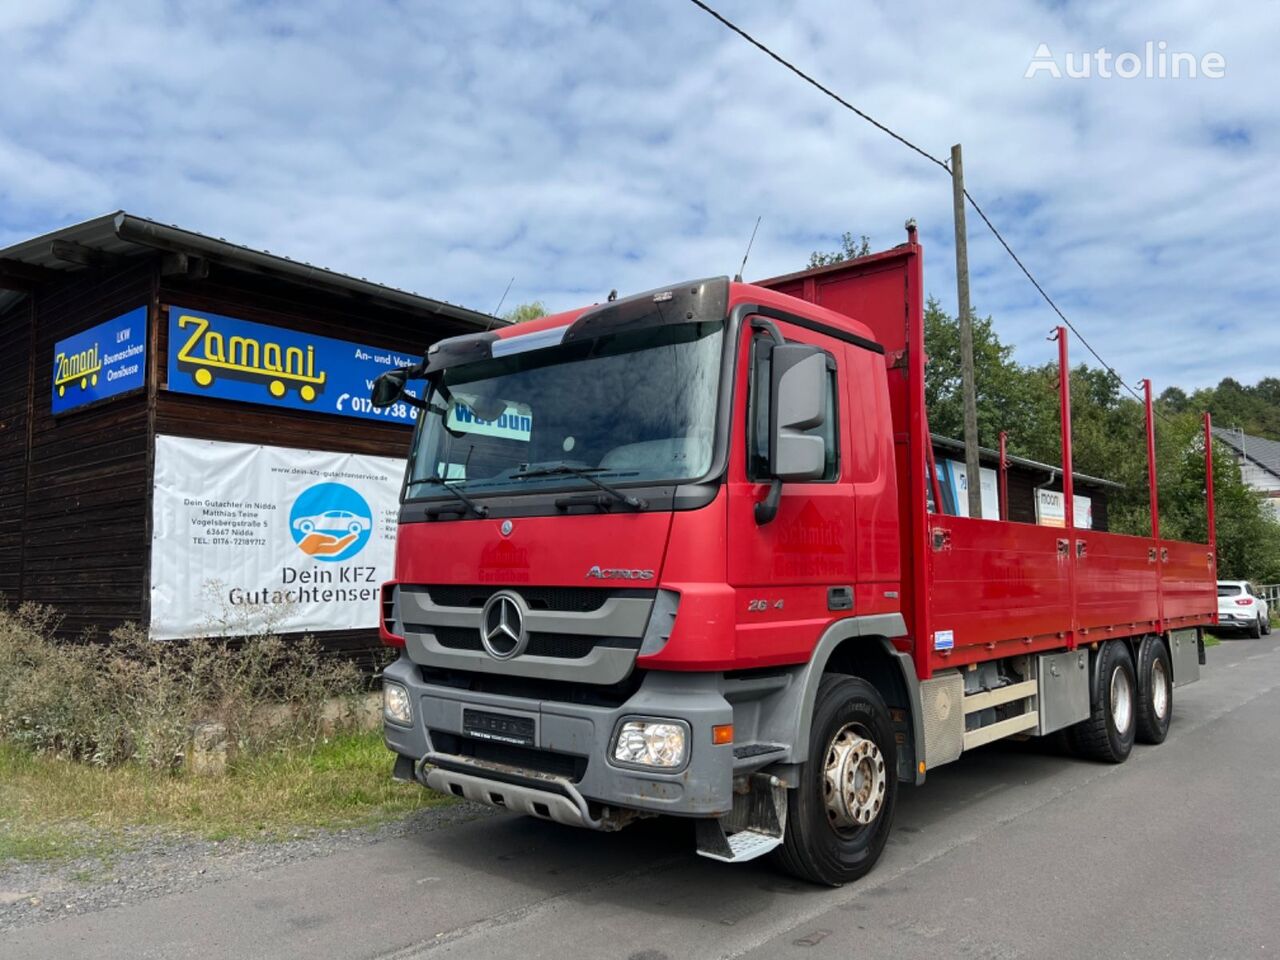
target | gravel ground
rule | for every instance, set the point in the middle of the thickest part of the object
(148, 863)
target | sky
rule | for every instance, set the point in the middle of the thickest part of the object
(586, 146)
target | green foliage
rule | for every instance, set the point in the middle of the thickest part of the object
(850, 249)
(526, 311)
(1254, 409)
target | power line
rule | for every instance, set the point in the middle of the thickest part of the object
(932, 159)
(808, 79)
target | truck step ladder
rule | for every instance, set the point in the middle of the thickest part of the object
(753, 828)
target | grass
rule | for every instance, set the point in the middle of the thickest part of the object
(53, 809)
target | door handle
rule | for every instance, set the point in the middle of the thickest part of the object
(840, 598)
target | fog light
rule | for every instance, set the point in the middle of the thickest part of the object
(396, 705)
(651, 743)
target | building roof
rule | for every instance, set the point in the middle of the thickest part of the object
(989, 455)
(1265, 453)
(122, 235)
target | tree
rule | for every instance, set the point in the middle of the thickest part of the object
(526, 311)
(850, 249)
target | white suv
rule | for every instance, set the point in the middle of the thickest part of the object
(1240, 608)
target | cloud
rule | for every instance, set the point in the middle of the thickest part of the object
(585, 146)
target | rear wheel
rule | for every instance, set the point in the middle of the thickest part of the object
(1255, 629)
(840, 815)
(1108, 733)
(1155, 691)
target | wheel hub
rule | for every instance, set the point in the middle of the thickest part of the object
(854, 780)
(1121, 699)
(1159, 689)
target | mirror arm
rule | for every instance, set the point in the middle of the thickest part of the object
(767, 508)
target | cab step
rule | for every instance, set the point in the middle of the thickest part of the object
(754, 826)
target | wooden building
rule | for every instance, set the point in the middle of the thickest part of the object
(80, 417)
(1027, 480)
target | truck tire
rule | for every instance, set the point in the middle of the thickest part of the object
(1255, 629)
(1108, 733)
(840, 815)
(1155, 691)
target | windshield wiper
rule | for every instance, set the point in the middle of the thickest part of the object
(586, 473)
(479, 509)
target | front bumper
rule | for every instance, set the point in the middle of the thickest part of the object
(568, 769)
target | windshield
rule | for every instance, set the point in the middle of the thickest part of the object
(635, 407)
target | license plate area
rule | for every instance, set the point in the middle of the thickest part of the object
(498, 727)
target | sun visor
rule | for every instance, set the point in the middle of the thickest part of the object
(694, 301)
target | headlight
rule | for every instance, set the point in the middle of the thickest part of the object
(396, 705)
(651, 743)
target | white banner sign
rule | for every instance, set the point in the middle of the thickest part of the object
(249, 538)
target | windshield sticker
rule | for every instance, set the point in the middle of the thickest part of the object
(514, 423)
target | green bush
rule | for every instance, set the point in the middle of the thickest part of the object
(138, 700)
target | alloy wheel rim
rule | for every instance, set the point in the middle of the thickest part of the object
(854, 780)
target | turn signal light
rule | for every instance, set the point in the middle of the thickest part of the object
(722, 733)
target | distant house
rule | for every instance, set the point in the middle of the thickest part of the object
(1259, 461)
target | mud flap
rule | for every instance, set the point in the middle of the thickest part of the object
(752, 829)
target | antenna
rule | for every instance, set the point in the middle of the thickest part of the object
(504, 297)
(738, 277)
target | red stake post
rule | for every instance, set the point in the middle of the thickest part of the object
(1151, 461)
(1068, 478)
(1155, 501)
(1064, 400)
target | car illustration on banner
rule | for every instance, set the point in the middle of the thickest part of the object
(333, 521)
(330, 522)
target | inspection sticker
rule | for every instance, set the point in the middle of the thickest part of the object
(944, 639)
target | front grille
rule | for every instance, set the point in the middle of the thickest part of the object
(526, 758)
(560, 646)
(535, 688)
(557, 599)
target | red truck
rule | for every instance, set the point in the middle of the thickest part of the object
(676, 554)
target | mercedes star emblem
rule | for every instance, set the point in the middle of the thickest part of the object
(502, 630)
(506, 528)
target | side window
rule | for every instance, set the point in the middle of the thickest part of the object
(758, 417)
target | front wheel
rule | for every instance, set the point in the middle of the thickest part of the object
(840, 815)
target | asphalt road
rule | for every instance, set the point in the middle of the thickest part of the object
(1010, 852)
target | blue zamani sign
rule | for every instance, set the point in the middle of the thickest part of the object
(215, 356)
(102, 362)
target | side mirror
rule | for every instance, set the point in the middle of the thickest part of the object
(389, 387)
(797, 403)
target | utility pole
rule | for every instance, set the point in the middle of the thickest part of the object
(972, 472)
